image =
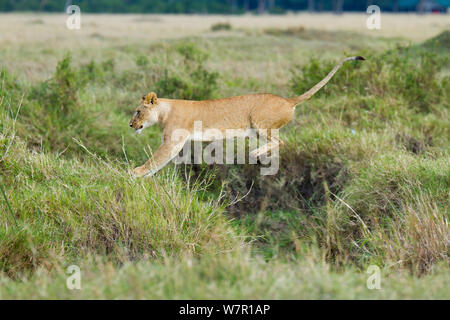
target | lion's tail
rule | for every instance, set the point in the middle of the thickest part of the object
(308, 94)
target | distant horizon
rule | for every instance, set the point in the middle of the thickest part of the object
(248, 13)
(235, 7)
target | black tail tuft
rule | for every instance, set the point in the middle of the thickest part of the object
(360, 58)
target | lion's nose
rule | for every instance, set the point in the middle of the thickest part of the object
(131, 125)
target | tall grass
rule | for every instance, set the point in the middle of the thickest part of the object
(65, 209)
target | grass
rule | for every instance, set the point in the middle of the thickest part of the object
(230, 276)
(363, 180)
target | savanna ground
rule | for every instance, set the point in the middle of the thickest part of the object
(364, 175)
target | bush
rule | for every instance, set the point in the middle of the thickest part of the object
(60, 93)
(142, 61)
(221, 26)
(194, 82)
(10, 88)
(97, 73)
(439, 42)
(54, 113)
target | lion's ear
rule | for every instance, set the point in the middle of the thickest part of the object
(151, 98)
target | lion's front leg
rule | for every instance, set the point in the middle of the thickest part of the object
(140, 171)
(166, 152)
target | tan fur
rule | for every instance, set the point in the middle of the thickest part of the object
(254, 111)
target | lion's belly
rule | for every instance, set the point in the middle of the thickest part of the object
(216, 134)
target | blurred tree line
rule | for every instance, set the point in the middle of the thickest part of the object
(196, 6)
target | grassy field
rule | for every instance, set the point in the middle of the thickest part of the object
(364, 173)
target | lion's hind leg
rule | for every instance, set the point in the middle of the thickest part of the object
(273, 142)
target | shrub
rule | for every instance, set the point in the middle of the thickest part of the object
(403, 72)
(439, 42)
(291, 31)
(53, 112)
(194, 82)
(142, 61)
(60, 92)
(221, 26)
(96, 73)
(10, 88)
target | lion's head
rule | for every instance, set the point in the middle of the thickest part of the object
(146, 114)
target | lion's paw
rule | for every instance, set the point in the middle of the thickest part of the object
(139, 171)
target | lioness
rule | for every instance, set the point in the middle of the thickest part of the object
(254, 111)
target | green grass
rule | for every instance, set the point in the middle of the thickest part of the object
(363, 180)
(229, 276)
